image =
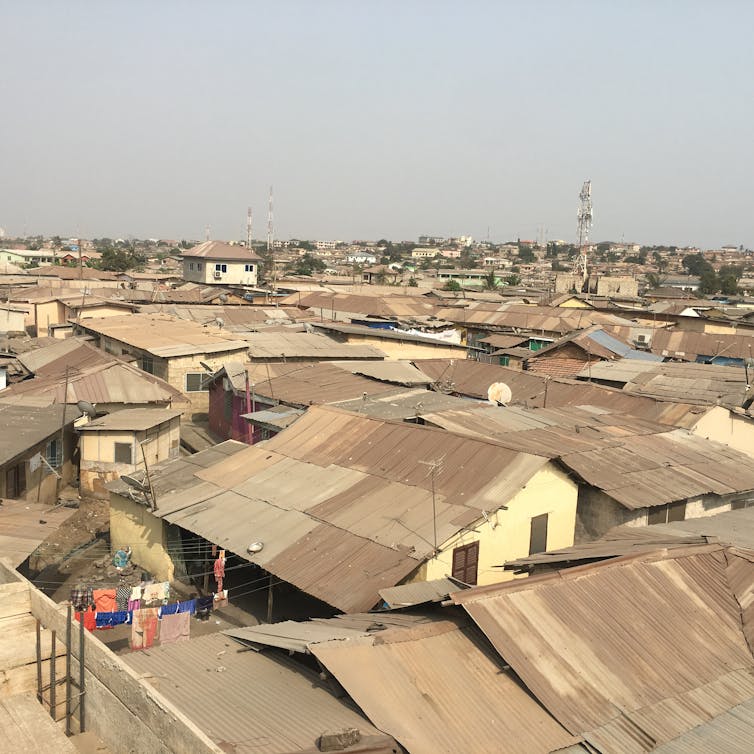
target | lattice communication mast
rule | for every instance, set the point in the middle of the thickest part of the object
(584, 225)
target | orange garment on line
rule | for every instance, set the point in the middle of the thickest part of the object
(90, 620)
(104, 600)
(145, 627)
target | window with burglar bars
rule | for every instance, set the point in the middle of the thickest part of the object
(54, 453)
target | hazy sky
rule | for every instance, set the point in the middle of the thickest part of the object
(378, 119)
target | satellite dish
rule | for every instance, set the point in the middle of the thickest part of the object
(223, 298)
(87, 408)
(137, 484)
(499, 394)
(220, 322)
(255, 547)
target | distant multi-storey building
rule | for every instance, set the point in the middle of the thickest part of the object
(217, 263)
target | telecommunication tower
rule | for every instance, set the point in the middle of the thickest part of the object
(248, 229)
(584, 224)
(270, 243)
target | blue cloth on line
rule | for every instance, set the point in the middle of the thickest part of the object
(205, 603)
(187, 606)
(110, 620)
(171, 609)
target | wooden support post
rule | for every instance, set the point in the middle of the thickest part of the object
(39, 661)
(269, 601)
(68, 679)
(82, 681)
(53, 683)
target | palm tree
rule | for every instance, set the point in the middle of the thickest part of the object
(491, 281)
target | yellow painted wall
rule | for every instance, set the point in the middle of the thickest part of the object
(549, 491)
(48, 313)
(132, 525)
(724, 426)
(98, 464)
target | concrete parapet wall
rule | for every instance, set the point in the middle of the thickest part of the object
(127, 714)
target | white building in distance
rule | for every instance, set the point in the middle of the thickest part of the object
(217, 263)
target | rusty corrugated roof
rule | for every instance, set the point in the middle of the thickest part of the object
(631, 652)
(439, 689)
(249, 702)
(343, 503)
(636, 462)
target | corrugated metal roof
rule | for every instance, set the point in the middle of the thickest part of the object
(220, 250)
(398, 372)
(248, 702)
(136, 419)
(533, 319)
(305, 345)
(732, 527)
(162, 335)
(685, 344)
(705, 384)
(419, 592)
(438, 688)
(25, 426)
(630, 652)
(113, 382)
(342, 502)
(401, 404)
(298, 636)
(25, 525)
(732, 732)
(636, 462)
(318, 382)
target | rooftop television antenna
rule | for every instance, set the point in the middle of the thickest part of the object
(584, 216)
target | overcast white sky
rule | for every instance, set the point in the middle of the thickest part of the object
(378, 119)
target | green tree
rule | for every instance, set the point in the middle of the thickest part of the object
(412, 283)
(117, 259)
(708, 282)
(513, 280)
(525, 254)
(655, 281)
(452, 285)
(308, 264)
(696, 264)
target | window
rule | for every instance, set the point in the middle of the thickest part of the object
(53, 453)
(248, 268)
(538, 534)
(123, 453)
(147, 364)
(465, 561)
(663, 514)
(195, 382)
(191, 265)
(505, 360)
(221, 268)
(199, 266)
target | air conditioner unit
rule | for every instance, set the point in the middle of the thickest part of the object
(218, 274)
(643, 340)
